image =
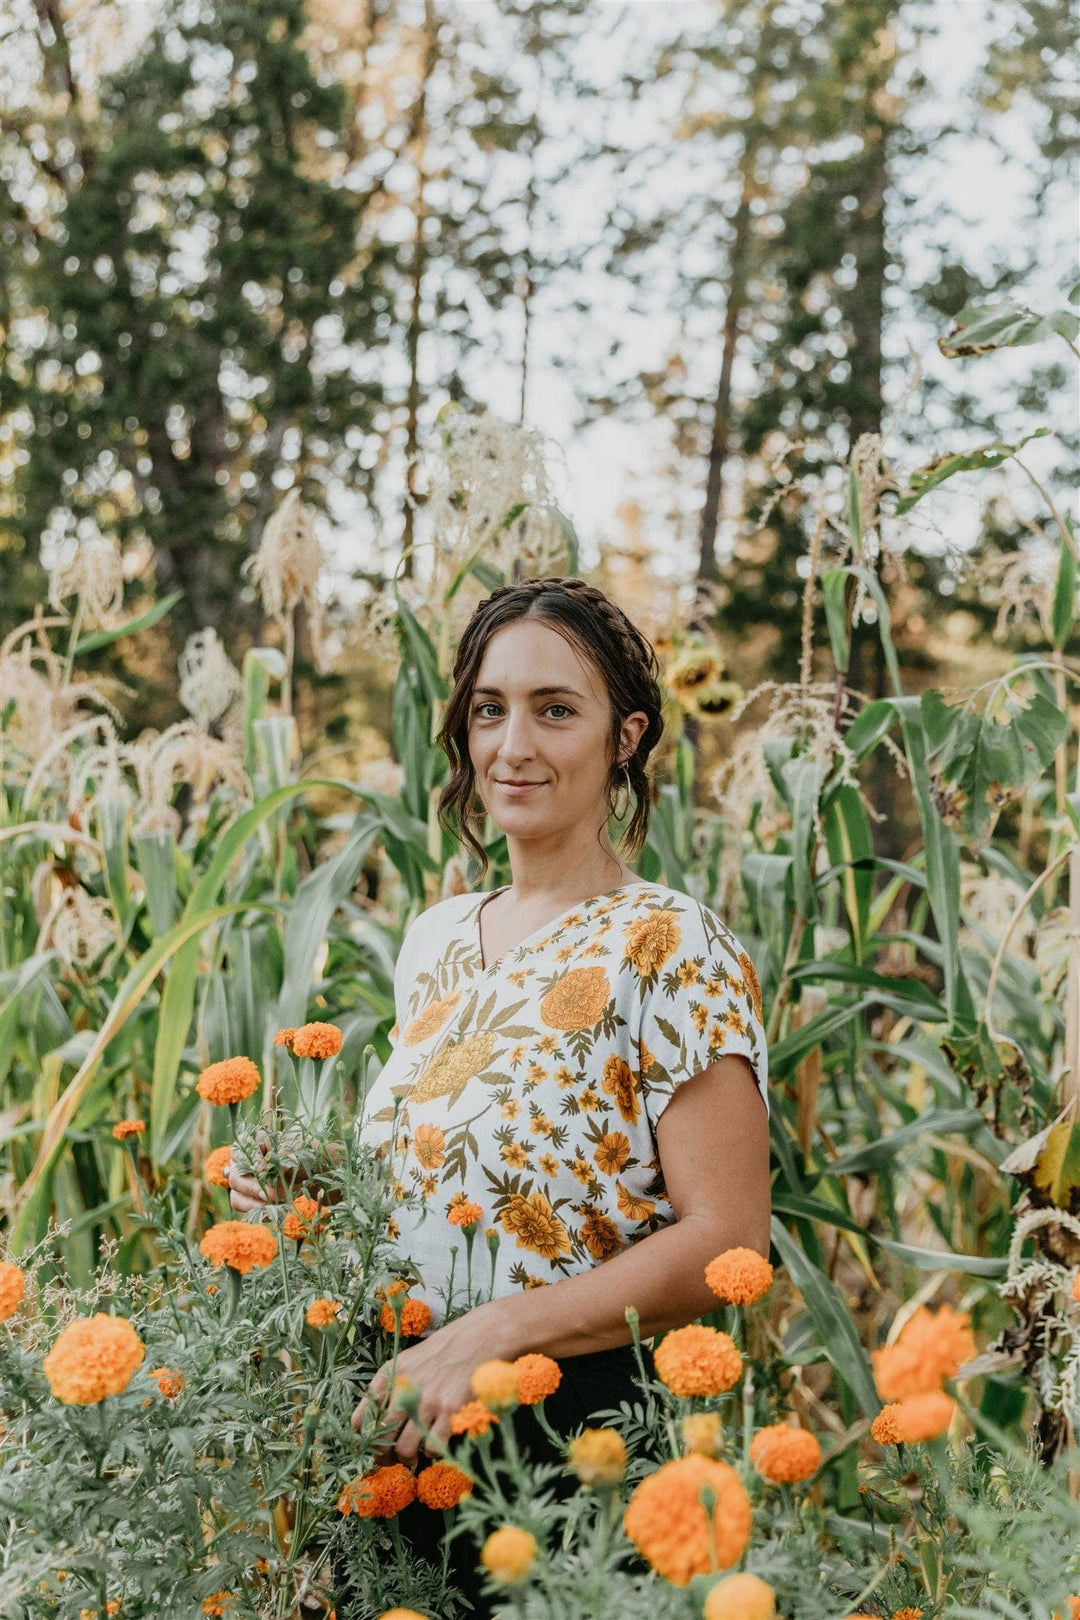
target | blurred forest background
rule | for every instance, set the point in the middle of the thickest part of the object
(256, 247)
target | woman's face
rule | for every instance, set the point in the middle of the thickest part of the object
(540, 734)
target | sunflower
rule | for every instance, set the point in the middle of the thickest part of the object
(536, 1226)
(651, 939)
(577, 1000)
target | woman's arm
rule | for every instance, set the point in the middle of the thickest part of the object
(713, 1140)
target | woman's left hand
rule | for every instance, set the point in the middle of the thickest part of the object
(441, 1366)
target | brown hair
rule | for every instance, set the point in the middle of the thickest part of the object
(604, 635)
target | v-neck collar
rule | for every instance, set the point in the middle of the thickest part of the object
(638, 883)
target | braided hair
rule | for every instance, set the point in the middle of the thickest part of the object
(603, 634)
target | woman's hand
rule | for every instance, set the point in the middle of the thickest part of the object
(441, 1366)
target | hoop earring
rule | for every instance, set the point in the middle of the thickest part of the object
(620, 814)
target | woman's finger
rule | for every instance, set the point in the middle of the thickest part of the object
(247, 1186)
(408, 1445)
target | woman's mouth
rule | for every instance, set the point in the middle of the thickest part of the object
(518, 790)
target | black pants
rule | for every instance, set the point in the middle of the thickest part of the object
(589, 1384)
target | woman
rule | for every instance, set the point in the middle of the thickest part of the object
(580, 1053)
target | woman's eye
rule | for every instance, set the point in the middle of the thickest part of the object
(562, 706)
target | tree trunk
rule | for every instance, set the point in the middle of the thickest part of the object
(418, 142)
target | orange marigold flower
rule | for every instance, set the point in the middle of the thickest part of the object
(537, 1377)
(12, 1288)
(703, 1432)
(391, 1614)
(169, 1383)
(785, 1454)
(293, 1227)
(240, 1245)
(907, 1614)
(379, 1495)
(508, 1554)
(442, 1485)
(1076, 1296)
(93, 1357)
(739, 1276)
(216, 1603)
(495, 1383)
(321, 1312)
(229, 1081)
(929, 1348)
(473, 1419)
(415, 1318)
(884, 1428)
(1074, 1607)
(316, 1041)
(128, 1127)
(284, 1036)
(216, 1166)
(598, 1457)
(697, 1360)
(464, 1213)
(741, 1597)
(304, 1219)
(923, 1417)
(666, 1521)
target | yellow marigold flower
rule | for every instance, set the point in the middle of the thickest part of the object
(464, 1213)
(666, 1521)
(442, 1485)
(128, 1127)
(508, 1554)
(93, 1357)
(216, 1603)
(415, 1318)
(741, 1597)
(785, 1454)
(537, 1378)
(321, 1312)
(703, 1432)
(923, 1417)
(739, 1276)
(884, 1428)
(284, 1036)
(928, 1349)
(12, 1288)
(169, 1383)
(216, 1166)
(472, 1419)
(495, 1383)
(598, 1457)
(697, 1360)
(379, 1495)
(230, 1081)
(240, 1245)
(316, 1041)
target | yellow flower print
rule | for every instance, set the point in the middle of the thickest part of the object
(634, 1208)
(518, 977)
(515, 1056)
(536, 1073)
(428, 1145)
(511, 1108)
(429, 1186)
(645, 1058)
(717, 1036)
(612, 1152)
(536, 1226)
(699, 1015)
(565, 1077)
(735, 1021)
(688, 973)
(547, 1043)
(393, 1230)
(574, 920)
(433, 1017)
(589, 1099)
(746, 968)
(737, 987)
(515, 1155)
(540, 1125)
(714, 987)
(583, 1170)
(398, 1190)
(564, 953)
(534, 1282)
(577, 1000)
(454, 1066)
(597, 948)
(549, 1164)
(651, 939)
(599, 1234)
(620, 1083)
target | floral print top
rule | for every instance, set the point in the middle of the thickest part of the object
(532, 1087)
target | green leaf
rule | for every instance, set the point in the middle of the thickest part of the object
(981, 328)
(1057, 1170)
(872, 1155)
(312, 906)
(832, 1320)
(833, 588)
(1063, 613)
(850, 846)
(978, 460)
(105, 638)
(973, 1265)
